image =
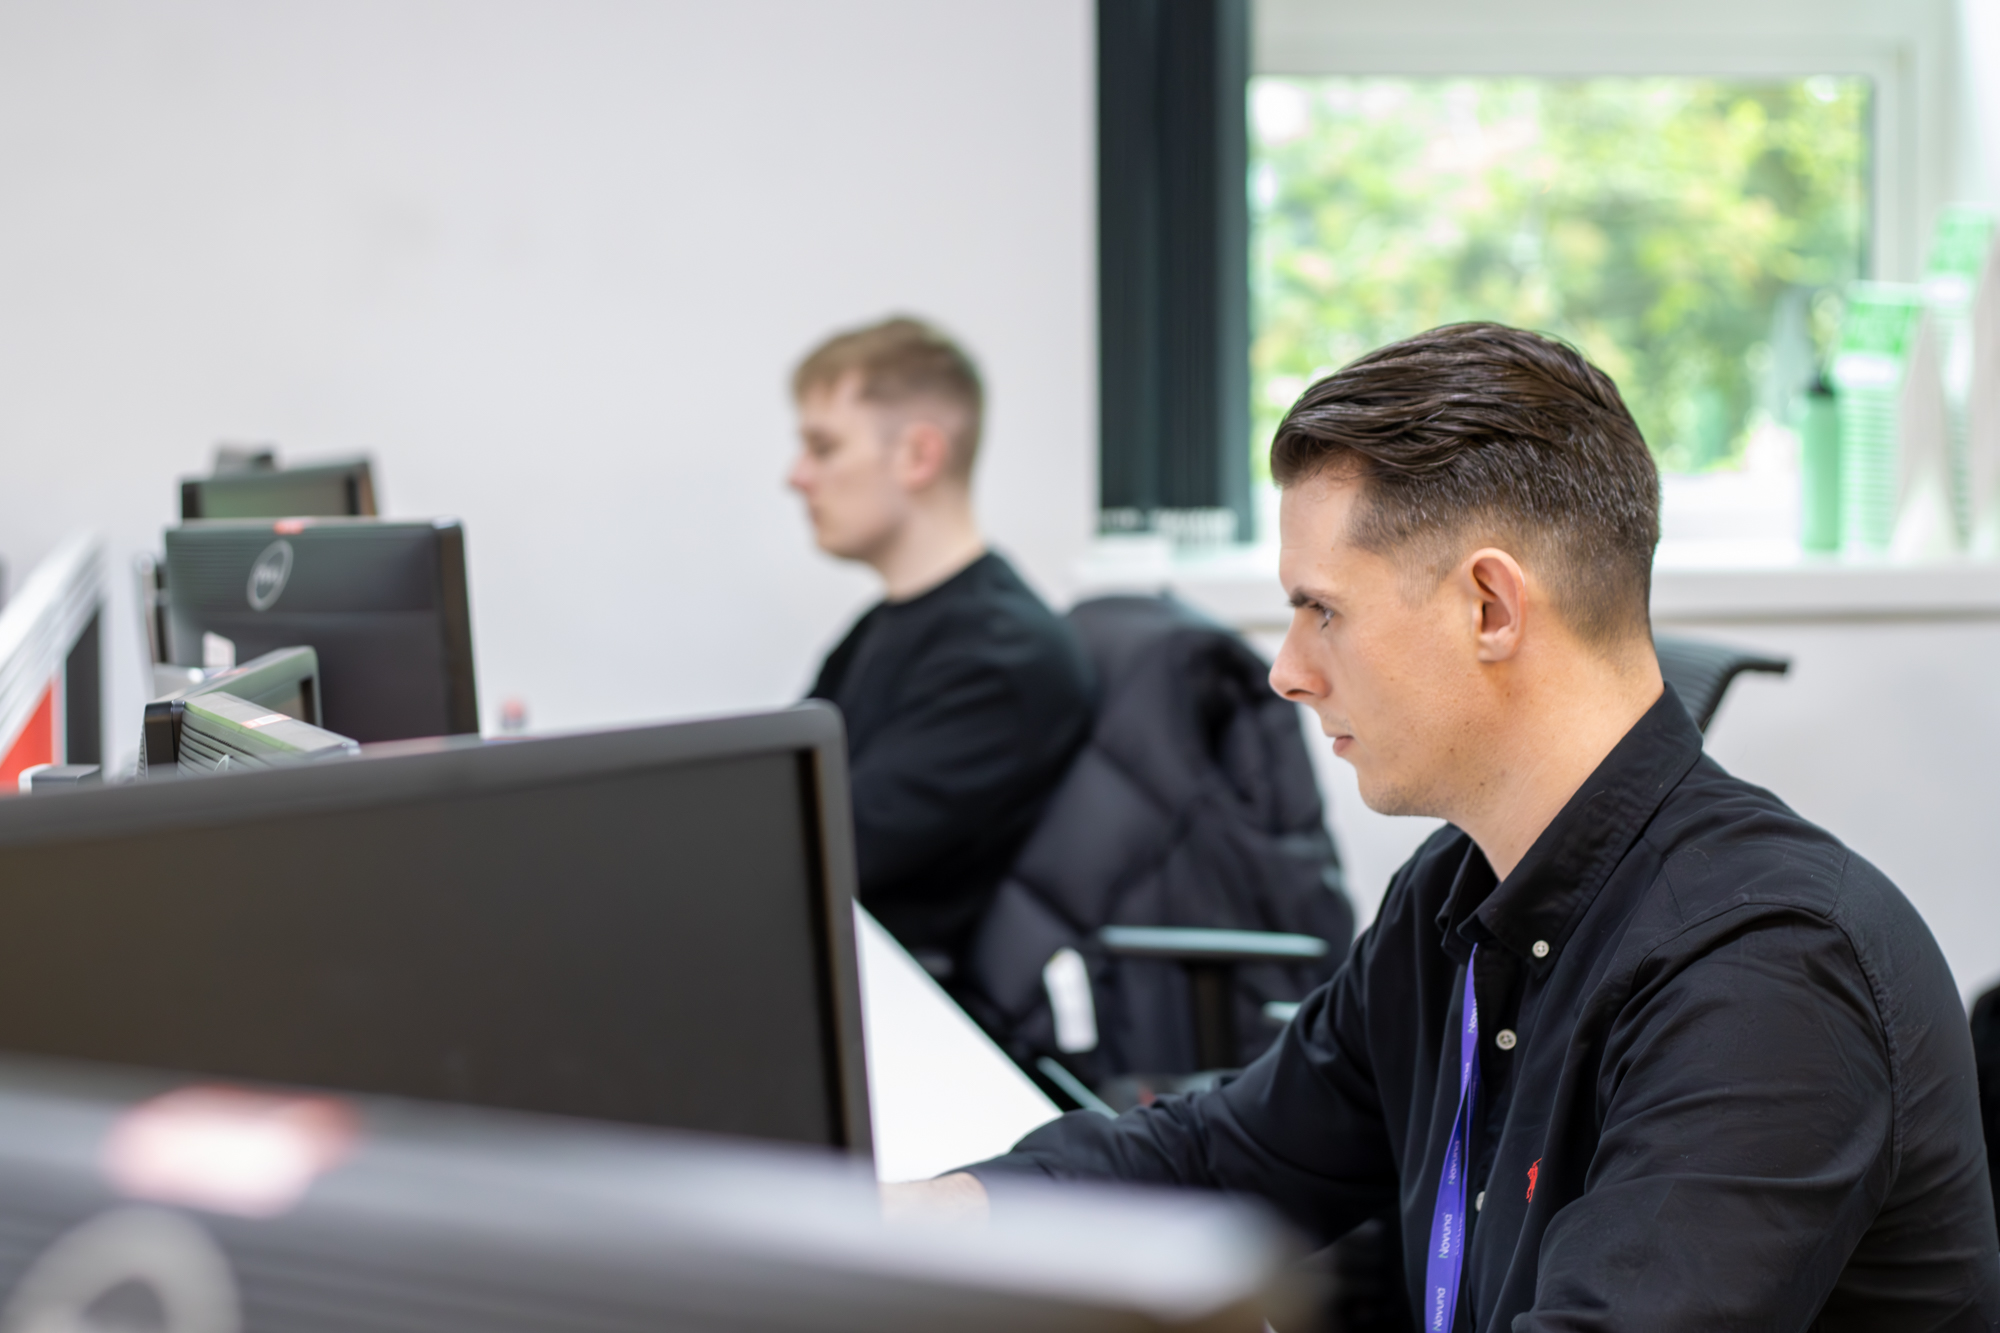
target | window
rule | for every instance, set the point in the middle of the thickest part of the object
(1691, 235)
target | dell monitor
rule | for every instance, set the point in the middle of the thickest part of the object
(651, 926)
(344, 489)
(383, 603)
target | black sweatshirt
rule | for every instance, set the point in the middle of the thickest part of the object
(1726, 1081)
(964, 706)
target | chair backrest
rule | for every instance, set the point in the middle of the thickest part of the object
(1192, 804)
(1701, 672)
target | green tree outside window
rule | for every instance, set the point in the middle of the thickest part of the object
(1687, 234)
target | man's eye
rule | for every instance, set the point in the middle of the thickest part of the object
(1325, 615)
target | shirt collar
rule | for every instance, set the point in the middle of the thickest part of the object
(1532, 911)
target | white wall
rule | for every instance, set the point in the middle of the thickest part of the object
(549, 261)
(1888, 734)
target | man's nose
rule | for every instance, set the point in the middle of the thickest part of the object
(798, 477)
(1292, 676)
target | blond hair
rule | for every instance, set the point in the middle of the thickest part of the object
(901, 361)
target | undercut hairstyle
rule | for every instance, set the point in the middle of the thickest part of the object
(904, 362)
(1480, 433)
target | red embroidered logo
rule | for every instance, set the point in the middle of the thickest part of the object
(1531, 1178)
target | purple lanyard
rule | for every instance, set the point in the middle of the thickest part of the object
(1446, 1261)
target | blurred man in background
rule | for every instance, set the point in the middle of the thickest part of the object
(965, 696)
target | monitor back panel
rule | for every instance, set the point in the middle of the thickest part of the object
(383, 604)
(652, 945)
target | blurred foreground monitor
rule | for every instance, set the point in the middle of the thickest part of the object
(652, 926)
(134, 1201)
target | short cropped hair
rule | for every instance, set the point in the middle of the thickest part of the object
(901, 361)
(1480, 431)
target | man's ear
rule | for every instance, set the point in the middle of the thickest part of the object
(923, 451)
(1498, 590)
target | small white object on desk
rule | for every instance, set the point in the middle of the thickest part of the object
(942, 1095)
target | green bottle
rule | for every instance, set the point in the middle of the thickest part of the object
(1878, 331)
(1819, 469)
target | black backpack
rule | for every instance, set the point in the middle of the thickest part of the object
(1192, 804)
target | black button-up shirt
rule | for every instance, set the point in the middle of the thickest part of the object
(1726, 1079)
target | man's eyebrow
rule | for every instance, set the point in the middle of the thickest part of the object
(1304, 596)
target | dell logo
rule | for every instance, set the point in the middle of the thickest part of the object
(268, 575)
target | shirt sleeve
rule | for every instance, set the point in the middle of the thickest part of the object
(958, 754)
(1746, 1141)
(1302, 1127)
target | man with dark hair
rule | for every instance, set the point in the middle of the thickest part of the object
(1630, 1044)
(965, 697)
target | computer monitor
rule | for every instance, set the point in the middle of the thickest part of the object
(220, 732)
(343, 489)
(136, 1202)
(651, 926)
(383, 604)
(285, 681)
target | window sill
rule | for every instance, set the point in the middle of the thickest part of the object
(1692, 582)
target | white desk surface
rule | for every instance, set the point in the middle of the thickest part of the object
(942, 1095)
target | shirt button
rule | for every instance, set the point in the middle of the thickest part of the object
(1505, 1040)
(1479, 1201)
(1541, 949)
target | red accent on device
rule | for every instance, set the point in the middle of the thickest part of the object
(1537, 1166)
(35, 745)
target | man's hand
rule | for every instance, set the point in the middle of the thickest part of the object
(953, 1198)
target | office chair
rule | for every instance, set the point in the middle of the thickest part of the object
(1210, 958)
(1701, 672)
(1183, 862)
